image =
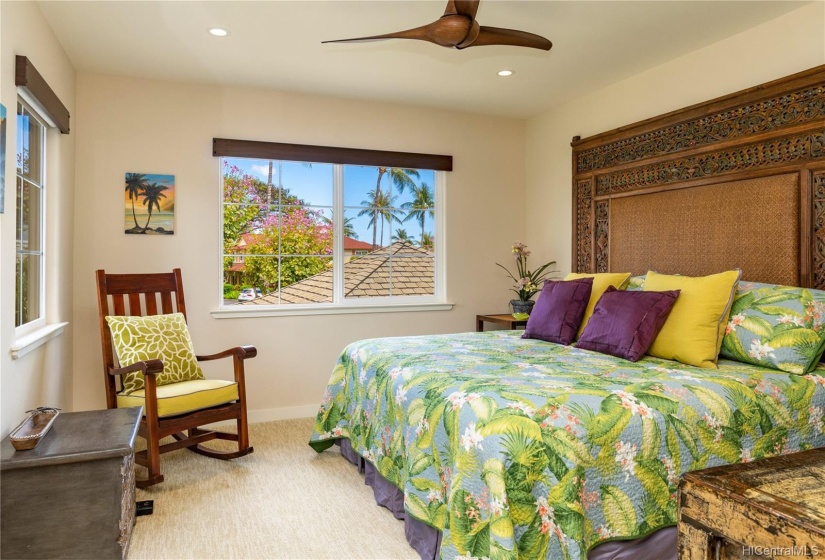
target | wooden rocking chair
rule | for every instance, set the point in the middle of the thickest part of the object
(137, 295)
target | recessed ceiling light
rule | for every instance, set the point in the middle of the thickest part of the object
(504, 73)
(218, 32)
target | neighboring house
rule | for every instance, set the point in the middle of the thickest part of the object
(409, 269)
(234, 274)
(355, 248)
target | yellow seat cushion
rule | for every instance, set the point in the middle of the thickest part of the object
(694, 329)
(600, 283)
(186, 396)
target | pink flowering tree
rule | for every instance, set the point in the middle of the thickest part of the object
(303, 232)
(247, 210)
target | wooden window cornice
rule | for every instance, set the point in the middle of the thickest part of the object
(29, 79)
(224, 147)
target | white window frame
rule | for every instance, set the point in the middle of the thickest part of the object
(340, 304)
(36, 324)
(29, 336)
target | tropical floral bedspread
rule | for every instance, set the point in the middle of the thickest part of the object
(525, 449)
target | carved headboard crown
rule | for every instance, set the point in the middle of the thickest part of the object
(694, 190)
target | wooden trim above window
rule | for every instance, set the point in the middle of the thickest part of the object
(324, 154)
(29, 79)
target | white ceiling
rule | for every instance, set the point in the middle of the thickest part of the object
(277, 45)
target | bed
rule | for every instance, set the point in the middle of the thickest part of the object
(549, 450)
(494, 446)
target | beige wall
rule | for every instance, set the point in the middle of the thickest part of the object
(44, 376)
(788, 44)
(128, 125)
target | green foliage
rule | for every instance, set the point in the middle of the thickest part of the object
(618, 510)
(231, 291)
(609, 422)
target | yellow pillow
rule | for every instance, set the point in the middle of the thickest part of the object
(600, 283)
(694, 329)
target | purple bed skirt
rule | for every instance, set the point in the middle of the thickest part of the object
(426, 540)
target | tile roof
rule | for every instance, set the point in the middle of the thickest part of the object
(410, 268)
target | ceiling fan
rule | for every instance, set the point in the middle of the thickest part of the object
(458, 28)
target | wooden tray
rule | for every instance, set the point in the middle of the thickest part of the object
(31, 430)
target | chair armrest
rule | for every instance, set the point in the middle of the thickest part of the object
(241, 352)
(150, 367)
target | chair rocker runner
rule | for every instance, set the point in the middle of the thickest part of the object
(176, 398)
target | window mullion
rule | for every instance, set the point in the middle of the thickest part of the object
(338, 233)
(439, 230)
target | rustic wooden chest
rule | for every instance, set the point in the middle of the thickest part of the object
(72, 496)
(773, 508)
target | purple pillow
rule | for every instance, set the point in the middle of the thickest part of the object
(625, 324)
(559, 310)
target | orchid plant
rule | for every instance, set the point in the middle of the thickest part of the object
(528, 283)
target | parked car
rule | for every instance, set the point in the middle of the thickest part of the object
(248, 294)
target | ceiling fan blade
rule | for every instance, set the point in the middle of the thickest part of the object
(512, 37)
(447, 31)
(423, 33)
(467, 8)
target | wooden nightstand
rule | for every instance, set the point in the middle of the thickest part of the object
(506, 319)
(742, 511)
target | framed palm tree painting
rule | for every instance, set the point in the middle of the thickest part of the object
(149, 204)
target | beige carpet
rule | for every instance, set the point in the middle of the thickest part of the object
(282, 501)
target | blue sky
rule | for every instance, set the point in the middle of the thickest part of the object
(313, 184)
(166, 180)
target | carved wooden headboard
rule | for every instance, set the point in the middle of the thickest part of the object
(738, 181)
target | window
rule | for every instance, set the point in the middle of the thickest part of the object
(30, 265)
(311, 234)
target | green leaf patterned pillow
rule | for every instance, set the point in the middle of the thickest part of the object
(154, 337)
(635, 283)
(780, 327)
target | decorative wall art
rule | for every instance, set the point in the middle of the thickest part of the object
(2, 159)
(149, 203)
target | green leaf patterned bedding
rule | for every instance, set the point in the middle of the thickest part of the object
(526, 449)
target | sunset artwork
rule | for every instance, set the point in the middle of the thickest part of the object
(149, 204)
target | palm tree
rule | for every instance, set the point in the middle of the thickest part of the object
(385, 209)
(402, 235)
(152, 193)
(372, 208)
(421, 205)
(401, 178)
(135, 183)
(378, 205)
(427, 242)
(349, 229)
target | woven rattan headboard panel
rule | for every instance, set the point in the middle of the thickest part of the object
(738, 181)
(689, 231)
